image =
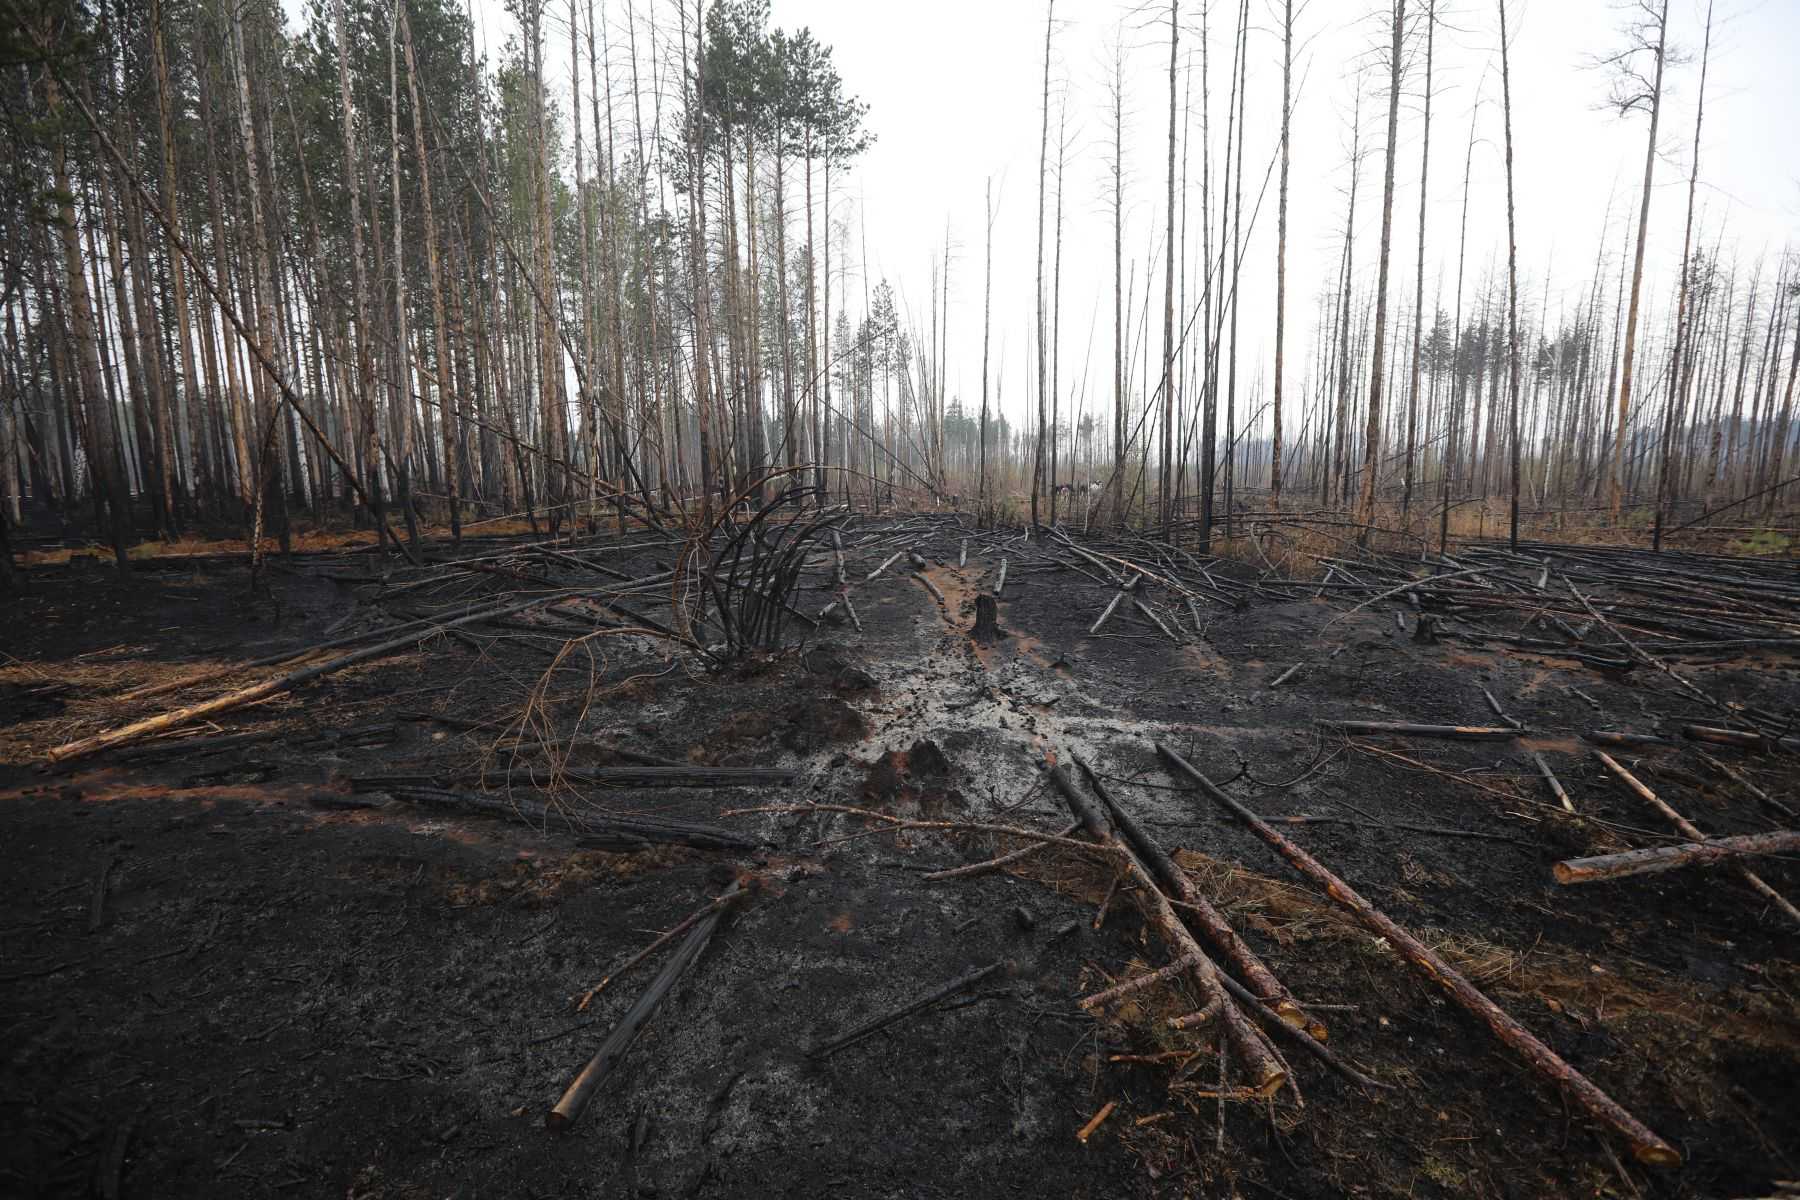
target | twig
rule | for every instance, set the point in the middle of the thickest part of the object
(714, 905)
(1556, 787)
(960, 984)
(1094, 1122)
(994, 864)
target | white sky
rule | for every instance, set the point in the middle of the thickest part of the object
(953, 91)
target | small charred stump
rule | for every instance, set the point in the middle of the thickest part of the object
(987, 620)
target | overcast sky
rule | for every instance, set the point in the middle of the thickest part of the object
(953, 88)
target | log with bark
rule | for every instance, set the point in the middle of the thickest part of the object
(1742, 739)
(1241, 1037)
(1212, 924)
(138, 730)
(1645, 1145)
(1689, 830)
(1669, 858)
(1620, 738)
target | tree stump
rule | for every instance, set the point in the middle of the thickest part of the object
(987, 620)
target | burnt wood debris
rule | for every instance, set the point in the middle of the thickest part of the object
(941, 727)
(542, 654)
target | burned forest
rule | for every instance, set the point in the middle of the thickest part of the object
(712, 598)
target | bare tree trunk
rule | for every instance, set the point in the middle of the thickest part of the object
(701, 282)
(1287, 113)
(1785, 423)
(261, 281)
(987, 313)
(1166, 478)
(1062, 146)
(1681, 301)
(102, 439)
(1037, 457)
(1412, 396)
(449, 410)
(1637, 270)
(1242, 55)
(1372, 432)
(1340, 457)
(1512, 277)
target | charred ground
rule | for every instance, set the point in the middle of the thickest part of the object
(253, 956)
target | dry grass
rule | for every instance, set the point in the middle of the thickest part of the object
(1638, 1002)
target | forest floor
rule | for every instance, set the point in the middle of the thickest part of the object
(245, 968)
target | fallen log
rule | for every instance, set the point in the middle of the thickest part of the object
(1744, 782)
(844, 590)
(1118, 596)
(1616, 737)
(1093, 822)
(1669, 858)
(1271, 1020)
(1645, 1145)
(1131, 987)
(138, 730)
(612, 1050)
(1408, 586)
(961, 983)
(593, 831)
(1240, 1036)
(268, 660)
(1461, 733)
(1156, 620)
(194, 747)
(1740, 738)
(1689, 830)
(1213, 925)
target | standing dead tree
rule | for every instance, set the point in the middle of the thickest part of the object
(1378, 360)
(1633, 91)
